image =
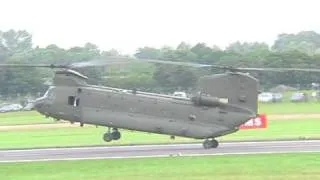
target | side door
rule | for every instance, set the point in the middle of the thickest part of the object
(74, 101)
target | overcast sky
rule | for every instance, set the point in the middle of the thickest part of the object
(128, 24)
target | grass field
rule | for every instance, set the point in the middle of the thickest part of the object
(288, 107)
(23, 117)
(295, 166)
(90, 135)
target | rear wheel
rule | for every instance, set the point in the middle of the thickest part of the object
(208, 144)
(215, 143)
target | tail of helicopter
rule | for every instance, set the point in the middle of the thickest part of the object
(239, 89)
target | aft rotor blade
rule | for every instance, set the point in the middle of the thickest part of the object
(279, 69)
(32, 65)
(175, 63)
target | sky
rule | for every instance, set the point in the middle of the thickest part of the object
(126, 25)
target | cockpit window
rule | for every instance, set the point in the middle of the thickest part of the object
(49, 92)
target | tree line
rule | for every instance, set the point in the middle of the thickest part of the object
(288, 50)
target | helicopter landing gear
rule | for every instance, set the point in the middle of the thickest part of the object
(114, 135)
(107, 137)
(208, 144)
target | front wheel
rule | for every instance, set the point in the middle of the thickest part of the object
(107, 137)
(207, 144)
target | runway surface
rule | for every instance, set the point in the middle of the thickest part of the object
(157, 151)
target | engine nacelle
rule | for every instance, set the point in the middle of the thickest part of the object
(208, 100)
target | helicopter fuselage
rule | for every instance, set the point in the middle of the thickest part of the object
(222, 104)
(141, 111)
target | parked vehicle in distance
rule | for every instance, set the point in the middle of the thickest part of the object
(299, 97)
(316, 95)
(265, 97)
(28, 107)
(10, 107)
(277, 97)
(269, 97)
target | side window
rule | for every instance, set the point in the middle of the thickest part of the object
(71, 100)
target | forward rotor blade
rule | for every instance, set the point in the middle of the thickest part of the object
(122, 60)
(97, 62)
(33, 65)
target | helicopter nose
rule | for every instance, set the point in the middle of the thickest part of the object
(37, 105)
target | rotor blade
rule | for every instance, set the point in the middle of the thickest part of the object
(122, 60)
(33, 65)
(97, 62)
(278, 69)
(175, 63)
(125, 60)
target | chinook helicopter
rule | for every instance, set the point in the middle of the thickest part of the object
(221, 104)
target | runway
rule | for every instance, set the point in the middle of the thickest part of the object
(138, 151)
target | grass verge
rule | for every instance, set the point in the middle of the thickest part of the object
(23, 117)
(289, 166)
(289, 108)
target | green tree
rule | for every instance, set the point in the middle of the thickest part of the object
(148, 52)
(15, 41)
(305, 41)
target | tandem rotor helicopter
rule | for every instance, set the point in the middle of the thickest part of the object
(222, 103)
